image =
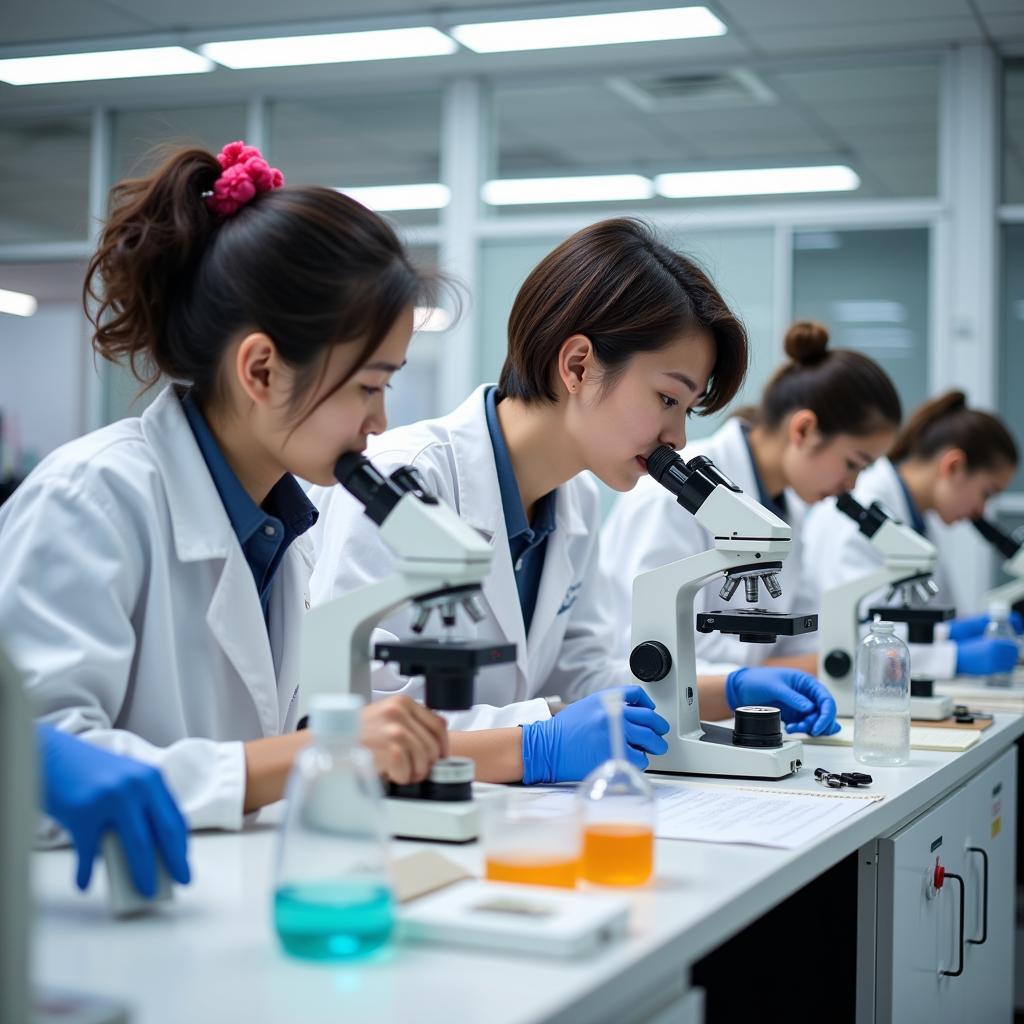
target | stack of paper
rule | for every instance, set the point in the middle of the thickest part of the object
(707, 813)
(921, 737)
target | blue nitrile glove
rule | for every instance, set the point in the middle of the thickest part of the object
(805, 704)
(986, 656)
(571, 744)
(975, 625)
(89, 791)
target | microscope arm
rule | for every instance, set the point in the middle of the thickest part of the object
(343, 625)
(437, 554)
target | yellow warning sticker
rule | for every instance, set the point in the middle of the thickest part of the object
(997, 826)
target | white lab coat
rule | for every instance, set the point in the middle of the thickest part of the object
(131, 613)
(836, 551)
(647, 528)
(566, 652)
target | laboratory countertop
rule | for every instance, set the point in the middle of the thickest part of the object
(212, 953)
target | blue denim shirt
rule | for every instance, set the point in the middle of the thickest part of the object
(264, 533)
(527, 542)
(775, 504)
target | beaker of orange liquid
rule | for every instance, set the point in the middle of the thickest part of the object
(526, 839)
(617, 808)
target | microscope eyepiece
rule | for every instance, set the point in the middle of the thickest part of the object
(361, 478)
(869, 520)
(691, 482)
(1003, 542)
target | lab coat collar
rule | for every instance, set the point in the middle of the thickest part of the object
(199, 521)
(203, 531)
(479, 491)
(480, 505)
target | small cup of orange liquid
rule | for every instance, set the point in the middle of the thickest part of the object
(617, 810)
(526, 839)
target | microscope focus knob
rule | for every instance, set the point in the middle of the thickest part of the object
(837, 663)
(650, 661)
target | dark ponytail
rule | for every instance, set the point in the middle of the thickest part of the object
(172, 285)
(946, 422)
(847, 392)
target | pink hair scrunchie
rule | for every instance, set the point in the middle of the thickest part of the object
(244, 173)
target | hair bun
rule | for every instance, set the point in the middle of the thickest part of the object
(806, 342)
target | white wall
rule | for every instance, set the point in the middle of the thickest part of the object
(43, 362)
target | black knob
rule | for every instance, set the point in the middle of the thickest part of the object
(650, 661)
(757, 726)
(837, 663)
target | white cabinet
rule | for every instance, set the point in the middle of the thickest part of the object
(946, 954)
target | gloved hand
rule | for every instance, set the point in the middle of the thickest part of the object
(571, 744)
(89, 791)
(975, 625)
(986, 656)
(805, 704)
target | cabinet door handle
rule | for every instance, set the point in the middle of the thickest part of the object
(960, 942)
(984, 897)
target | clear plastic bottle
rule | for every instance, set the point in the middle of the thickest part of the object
(881, 698)
(1000, 628)
(618, 810)
(333, 897)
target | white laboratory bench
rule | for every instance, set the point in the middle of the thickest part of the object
(212, 954)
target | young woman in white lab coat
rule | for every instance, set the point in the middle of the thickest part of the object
(946, 463)
(613, 340)
(154, 572)
(824, 416)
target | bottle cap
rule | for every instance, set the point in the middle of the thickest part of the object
(999, 609)
(882, 626)
(335, 715)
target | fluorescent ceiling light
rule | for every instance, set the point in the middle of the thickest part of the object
(595, 188)
(431, 318)
(335, 48)
(764, 181)
(589, 30)
(17, 303)
(86, 67)
(430, 196)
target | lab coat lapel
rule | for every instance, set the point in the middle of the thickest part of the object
(202, 532)
(558, 577)
(289, 601)
(479, 504)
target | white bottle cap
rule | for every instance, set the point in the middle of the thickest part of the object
(880, 625)
(335, 715)
(999, 609)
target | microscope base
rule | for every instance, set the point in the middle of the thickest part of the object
(931, 709)
(700, 754)
(437, 820)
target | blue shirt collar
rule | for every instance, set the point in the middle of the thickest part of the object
(286, 502)
(516, 523)
(916, 519)
(776, 505)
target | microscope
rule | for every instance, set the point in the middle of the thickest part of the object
(909, 561)
(441, 564)
(1011, 547)
(749, 545)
